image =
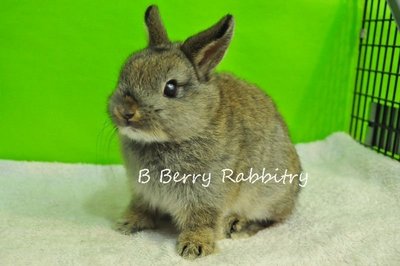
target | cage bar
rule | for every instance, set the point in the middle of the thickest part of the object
(375, 117)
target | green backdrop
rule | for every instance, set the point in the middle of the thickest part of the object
(59, 61)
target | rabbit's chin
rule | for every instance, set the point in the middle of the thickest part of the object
(143, 136)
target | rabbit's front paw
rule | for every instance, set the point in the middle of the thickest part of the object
(195, 244)
(133, 223)
(239, 227)
(234, 225)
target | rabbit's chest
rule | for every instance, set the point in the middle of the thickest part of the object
(171, 191)
(160, 178)
(170, 188)
(169, 178)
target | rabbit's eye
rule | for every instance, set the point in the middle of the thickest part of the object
(171, 88)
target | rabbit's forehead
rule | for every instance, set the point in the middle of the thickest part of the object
(157, 67)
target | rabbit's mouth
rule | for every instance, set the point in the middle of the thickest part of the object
(136, 126)
(143, 135)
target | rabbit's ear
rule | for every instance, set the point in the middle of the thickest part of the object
(207, 48)
(157, 33)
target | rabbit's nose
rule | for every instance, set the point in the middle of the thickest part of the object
(128, 114)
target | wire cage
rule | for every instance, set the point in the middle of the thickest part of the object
(375, 117)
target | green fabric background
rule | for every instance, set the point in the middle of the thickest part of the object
(59, 61)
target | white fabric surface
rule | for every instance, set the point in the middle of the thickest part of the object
(62, 214)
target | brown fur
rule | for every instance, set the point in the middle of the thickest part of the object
(215, 122)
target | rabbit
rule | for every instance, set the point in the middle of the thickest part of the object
(172, 111)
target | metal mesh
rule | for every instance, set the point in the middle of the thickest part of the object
(375, 118)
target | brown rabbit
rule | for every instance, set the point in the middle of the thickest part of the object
(172, 112)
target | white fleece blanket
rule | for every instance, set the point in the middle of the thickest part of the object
(62, 214)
